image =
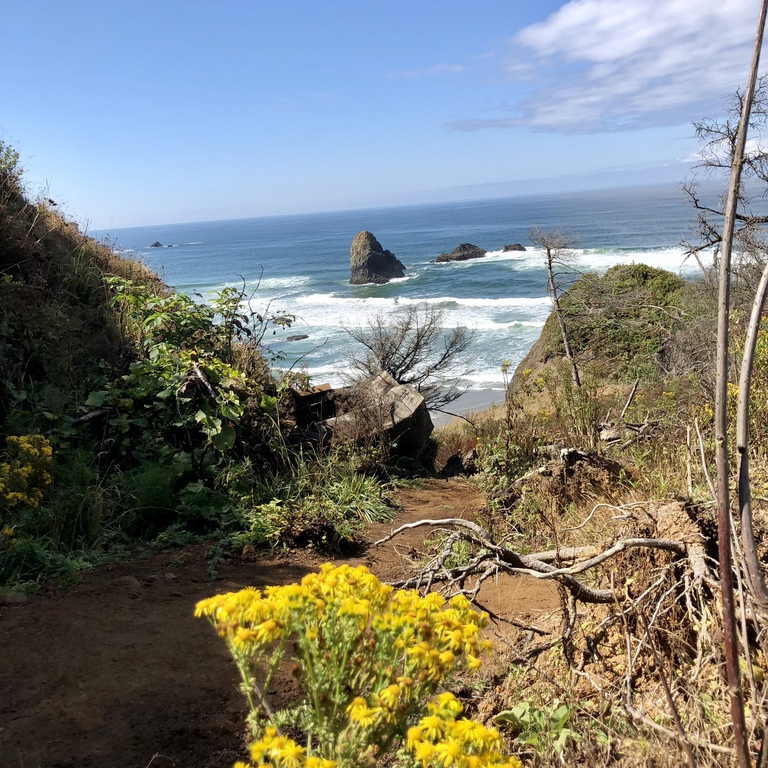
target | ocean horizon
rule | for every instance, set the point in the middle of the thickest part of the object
(299, 264)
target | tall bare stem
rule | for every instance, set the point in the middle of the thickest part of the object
(721, 422)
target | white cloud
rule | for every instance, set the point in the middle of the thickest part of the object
(624, 64)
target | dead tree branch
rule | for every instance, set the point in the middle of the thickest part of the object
(495, 558)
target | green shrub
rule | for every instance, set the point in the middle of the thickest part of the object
(622, 318)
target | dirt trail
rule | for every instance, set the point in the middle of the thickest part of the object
(116, 673)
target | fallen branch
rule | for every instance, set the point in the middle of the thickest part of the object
(92, 416)
(509, 561)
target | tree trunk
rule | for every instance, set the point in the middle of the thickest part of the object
(561, 321)
(721, 425)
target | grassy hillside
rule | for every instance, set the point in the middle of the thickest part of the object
(129, 412)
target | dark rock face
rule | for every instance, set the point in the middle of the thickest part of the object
(462, 252)
(378, 405)
(513, 247)
(156, 244)
(370, 263)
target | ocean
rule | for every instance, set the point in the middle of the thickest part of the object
(300, 264)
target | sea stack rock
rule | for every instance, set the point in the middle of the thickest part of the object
(462, 252)
(513, 247)
(370, 263)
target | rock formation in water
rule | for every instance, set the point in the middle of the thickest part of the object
(462, 252)
(513, 247)
(370, 263)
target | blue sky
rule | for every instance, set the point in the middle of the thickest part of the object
(142, 113)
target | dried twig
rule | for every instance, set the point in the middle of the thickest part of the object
(629, 400)
(671, 702)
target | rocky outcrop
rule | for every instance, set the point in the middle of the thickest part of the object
(370, 263)
(381, 405)
(462, 252)
(157, 244)
(371, 407)
(513, 247)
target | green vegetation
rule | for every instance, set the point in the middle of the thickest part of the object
(578, 469)
(624, 317)
(129, 412)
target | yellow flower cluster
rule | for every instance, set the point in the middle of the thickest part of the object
(432, 639)
(27, 474)
(277, 750)
(368, 658)
(441, 739)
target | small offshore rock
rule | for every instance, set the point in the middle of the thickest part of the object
(157, 244)
(297, 337)
(513, 247)
(462, 252)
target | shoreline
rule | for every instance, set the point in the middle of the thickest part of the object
(471, 401)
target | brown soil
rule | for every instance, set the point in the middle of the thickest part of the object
(116, 673)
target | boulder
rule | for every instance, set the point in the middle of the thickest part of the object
(460, 463)
(370, 263)
(371, 407)
(513, 247)
(462, 252)
(381, 405)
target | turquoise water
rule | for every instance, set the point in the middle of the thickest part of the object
(300, 264)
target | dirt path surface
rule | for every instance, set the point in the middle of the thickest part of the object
(116, 673)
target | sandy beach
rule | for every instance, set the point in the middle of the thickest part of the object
(471, 401)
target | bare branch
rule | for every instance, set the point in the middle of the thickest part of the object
(415, 348)
(738, 159)
(509, 561)
(556, 244)
(754, 570)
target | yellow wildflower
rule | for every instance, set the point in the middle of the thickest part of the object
(424, 752)
(414, 737)
(319, 762)
(360, 713)
(433, 726)
(290, 754)
(449, 752)
(390, 696)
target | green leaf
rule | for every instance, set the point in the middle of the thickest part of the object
(269, 403)
(559, 717)
(225, 440)
(232, 411)
(97, 399)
